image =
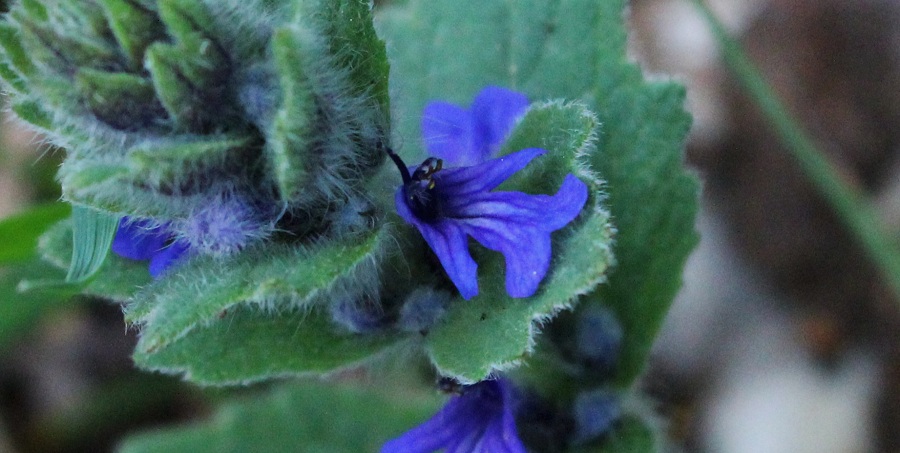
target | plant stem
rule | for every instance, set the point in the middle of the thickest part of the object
(851, 207)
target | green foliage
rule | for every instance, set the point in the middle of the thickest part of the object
(312, 417)
(631, 434)
(19, 233)
(20, 311)
(178, 103)
(573, 49)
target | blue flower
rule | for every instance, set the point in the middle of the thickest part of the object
(143, 240)
(480, 420)
(449, 205)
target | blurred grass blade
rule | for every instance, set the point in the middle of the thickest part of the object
(92, 235)
(20, 312)
(49, 287)
(19, 233)
(851, 207)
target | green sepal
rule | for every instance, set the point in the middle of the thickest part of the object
(135, 28)
(189, 75)
(293, 125)
(170, 165)
(268, 276)
(33, 113)
(308, 417)
(199, 56)
(117, 279)
(12, 78)
(92, 233)
(122, 100)
(134, 184)
(347, 24)
(88, 18)
(60, 52)
(35, 9)
(114, 186)
(244, 345)
(493, 331)
(185, 20)
(182, 85)
(14, 52)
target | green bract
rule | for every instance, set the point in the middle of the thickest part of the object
(168, 107)
(163, 105)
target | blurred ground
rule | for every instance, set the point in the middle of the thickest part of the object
(785, 338)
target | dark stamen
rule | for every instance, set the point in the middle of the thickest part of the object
(404, 170)
(418, 187)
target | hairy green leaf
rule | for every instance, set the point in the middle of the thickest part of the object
(13, 51)
(294, 123)
(33, 113)
(52, 47)
(348, 25)
(134, 26)
(280, 276)
(243, 345)
(125, 101)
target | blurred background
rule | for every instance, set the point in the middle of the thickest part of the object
(783, 339)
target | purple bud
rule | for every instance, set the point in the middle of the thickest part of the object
(598, 338)
(357, 316)
(595, 412)
(422, 309)
(225, 225)
(259, 94)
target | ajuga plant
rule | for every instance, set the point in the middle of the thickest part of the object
(275, 210)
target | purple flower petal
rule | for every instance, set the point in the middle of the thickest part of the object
(449, 243)
(138, 239)
(501, 437)
(447, 131)
(448, 205)
(465, 137)
(494, 112)
(168, 256)
(486, 176)
(518, 225)
(481, 420)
